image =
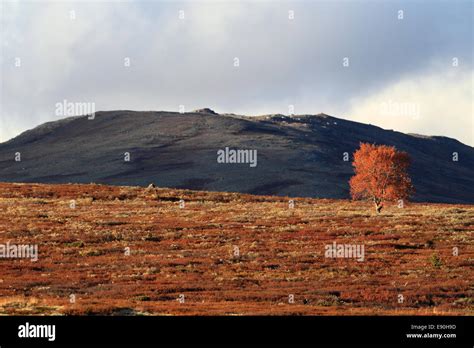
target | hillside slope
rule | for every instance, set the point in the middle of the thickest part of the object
(297, 156)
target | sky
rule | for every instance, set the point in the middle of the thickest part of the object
(402, 65)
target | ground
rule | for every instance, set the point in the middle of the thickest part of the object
(135, 251)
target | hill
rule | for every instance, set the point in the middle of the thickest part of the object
(301, 155)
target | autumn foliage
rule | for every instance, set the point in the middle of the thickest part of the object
(380, 174)
(191, 251)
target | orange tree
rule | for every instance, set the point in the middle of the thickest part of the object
(380, 174)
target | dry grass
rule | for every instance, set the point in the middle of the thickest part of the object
(190, 251)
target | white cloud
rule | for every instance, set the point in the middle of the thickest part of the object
(438, 103)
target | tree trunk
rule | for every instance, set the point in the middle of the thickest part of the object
(378, 206)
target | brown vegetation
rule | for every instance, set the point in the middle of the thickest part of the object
(192, 252)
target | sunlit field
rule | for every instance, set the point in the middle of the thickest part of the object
(113, 250)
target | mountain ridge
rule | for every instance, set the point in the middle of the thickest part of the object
(298, 155)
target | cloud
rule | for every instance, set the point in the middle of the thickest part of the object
(190, 61)
(438, 103)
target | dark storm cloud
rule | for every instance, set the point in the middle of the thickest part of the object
(190, 61)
